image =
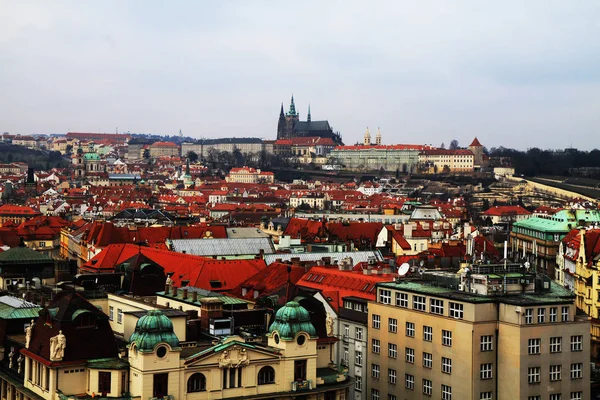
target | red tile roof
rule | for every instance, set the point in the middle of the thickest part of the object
(501, 211)
(202, 272)
(419, 147)
(475, 143)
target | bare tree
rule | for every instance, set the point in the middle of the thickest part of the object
(454, 144)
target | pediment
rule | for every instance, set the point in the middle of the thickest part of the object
(232, 355)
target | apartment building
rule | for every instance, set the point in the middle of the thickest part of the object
(488, 332)
(442, 160)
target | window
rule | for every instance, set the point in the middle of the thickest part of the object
(555, 344)
(456, 310)
(392, 350)
(393, 325)
(410, 329)
(565, 314)
(529, 315)
(553, 314)
(541, 315)
(409, 381)
(358, 333)
(419, 303)
(534, 398)
(533, 374)
(485, 396)
(446, 392)
(533, 346)
(376, 321)
(555, 373)
(346, 330)
(103, 381)
(427, 360)
(358, 358)
(374, 394)
(119, 316)
(485, 371)
(392, 376)
(556, 396)
(436, 306)
(392, 397)
(346, 353)
(576, 371)
(385, 296)
(375, 346)
(576, 343)
(402, 300)
(486, 343)
(410, 355)
(375, 371)
(446, 338)
(427, 386)
(197, 382)
(576, 395)
(111, 313)
(427, 333)
(358, 383)
(446, 365)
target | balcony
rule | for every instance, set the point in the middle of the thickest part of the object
(298, 386)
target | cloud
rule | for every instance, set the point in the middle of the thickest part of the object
(512, 73)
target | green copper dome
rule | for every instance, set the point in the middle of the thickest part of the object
(292, 319)
(152, 329)
(91, 156)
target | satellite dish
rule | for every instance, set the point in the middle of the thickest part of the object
(527, 265)
(421, 271)
(403, 269)
(422, 263)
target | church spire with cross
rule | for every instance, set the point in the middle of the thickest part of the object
(308, 115)
(292, 112)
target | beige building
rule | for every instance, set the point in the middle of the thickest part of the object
(161, 149)
(249, 175)
(313, 200)
(485, 333)
(441, 160)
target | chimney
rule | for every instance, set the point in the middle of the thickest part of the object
(166, 288)
(407, 230)
(174, 291)
(185, 293)
(194, 296)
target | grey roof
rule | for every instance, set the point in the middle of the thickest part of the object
(223, 247)
(305, 126)
(245, 233)
(357, 256)
(124, 176)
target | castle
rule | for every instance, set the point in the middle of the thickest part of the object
(290, 126)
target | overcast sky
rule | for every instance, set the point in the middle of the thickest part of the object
(513, 73)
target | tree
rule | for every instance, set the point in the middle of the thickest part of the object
(69, 148)
(146, 154)
(192, 156)
(442, 146)
(454, 144)
(239, 158)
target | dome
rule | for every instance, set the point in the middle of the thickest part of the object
(292, 319)
(152, 329)
(91, 156)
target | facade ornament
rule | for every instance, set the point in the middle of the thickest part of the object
(58, 344)
(329, 325)
(28, 333)
(11, 357)
(228, 361)
(20, 363)
(225, 361)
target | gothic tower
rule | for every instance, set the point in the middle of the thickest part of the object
(281, 125)
(291, 117)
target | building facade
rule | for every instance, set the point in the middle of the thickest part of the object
(289, 126)
(442, 160)
(477, 335)
(404, 158)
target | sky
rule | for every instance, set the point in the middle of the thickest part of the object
(517, 73)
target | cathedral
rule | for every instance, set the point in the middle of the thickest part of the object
(290, 126)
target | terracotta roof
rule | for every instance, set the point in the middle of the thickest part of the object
(506, 211)
(475, 143)
(418, 147)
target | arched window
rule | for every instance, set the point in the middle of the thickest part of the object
(196, 383)
(266, 375)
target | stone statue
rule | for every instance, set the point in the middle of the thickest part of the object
(169, 282)
(329, 325)
(242, 358)
(28, 333)
(11, 357)
(225, 361)
(58, 344)
(20, 363)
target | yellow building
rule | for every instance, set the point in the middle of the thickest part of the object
(249, 175)
(160, 149)
(441, 160)
(486, 333)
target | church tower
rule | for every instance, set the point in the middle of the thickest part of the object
(378, 138)
(281, 125)
(291, 118)
(308, 115)
(367, 140)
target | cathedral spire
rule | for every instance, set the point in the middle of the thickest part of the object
(281, 113)
(308, 116)
(292, 111)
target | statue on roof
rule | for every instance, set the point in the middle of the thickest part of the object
(28, 333)
(58, 344)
